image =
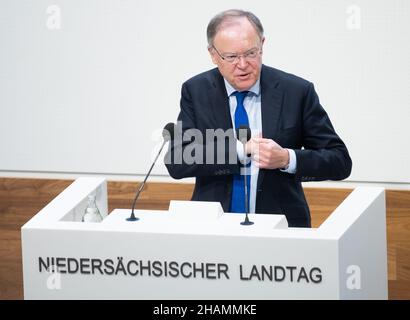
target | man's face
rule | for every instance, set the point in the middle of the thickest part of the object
(238, 37)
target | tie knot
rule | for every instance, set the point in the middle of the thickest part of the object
(240, 96)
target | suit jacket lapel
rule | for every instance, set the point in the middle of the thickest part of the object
(220, 103)
(222, 116)
(271, 104)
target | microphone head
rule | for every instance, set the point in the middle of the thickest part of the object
(168, 131)
(243, 134)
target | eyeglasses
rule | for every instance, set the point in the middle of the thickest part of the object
(234, 57)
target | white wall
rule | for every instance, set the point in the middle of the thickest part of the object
(91, 96)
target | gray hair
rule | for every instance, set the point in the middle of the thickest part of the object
(216, 22)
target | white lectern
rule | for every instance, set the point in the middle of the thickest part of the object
(196, 251)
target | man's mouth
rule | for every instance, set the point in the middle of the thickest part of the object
(243, 76)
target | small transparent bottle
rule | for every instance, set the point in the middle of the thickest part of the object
(92, 214)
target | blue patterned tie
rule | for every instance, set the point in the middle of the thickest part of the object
(238, 187)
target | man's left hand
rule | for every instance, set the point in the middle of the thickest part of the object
(269, 155)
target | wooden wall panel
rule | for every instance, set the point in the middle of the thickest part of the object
(20, 199)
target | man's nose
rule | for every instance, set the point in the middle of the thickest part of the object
(242, 63)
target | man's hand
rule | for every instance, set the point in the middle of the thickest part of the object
(267, 154)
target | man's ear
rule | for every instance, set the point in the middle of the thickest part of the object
(212, 54)
(263, 41)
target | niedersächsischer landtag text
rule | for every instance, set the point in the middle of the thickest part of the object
(174, 269)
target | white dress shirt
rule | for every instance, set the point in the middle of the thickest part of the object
(252, 104)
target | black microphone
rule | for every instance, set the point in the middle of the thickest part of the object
(243, 134)
(168, 135)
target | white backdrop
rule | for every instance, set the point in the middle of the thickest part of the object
(93, 95)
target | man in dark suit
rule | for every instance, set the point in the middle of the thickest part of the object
(292, 141)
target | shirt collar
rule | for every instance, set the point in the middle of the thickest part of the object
(255, 89)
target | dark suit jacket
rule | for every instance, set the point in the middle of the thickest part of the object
(291, 115)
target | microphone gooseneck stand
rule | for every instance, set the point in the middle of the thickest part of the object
(244, 140)
(168, 135)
